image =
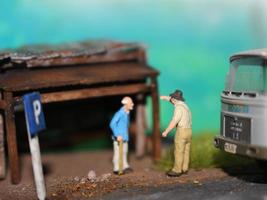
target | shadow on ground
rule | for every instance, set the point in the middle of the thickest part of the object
(247, 169)
(252, 173)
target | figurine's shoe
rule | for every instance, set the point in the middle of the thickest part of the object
(173, 174)
(185, 172)
(128, 170)
(117, 173)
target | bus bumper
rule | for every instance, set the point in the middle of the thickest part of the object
(239, 148)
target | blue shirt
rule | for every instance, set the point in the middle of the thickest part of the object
(120, 124)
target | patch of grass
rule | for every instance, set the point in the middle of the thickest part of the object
(205, 155)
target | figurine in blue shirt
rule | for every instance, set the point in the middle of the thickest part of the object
(120, 128)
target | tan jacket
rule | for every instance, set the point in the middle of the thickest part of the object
(182, 115)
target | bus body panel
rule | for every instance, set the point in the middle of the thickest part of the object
(244, 109)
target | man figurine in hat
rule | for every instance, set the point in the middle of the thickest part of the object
(119, 126)
(182, 120)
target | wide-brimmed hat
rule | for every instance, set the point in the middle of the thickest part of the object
(178, 95)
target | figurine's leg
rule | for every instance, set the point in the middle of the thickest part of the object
(179, 144)
(125, 155)
(12, 140)
(186, 157)
(115, 156)
(187, 150)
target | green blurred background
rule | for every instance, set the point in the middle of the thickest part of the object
(188, 41)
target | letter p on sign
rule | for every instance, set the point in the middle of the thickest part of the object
(37, 110)
(34, 113)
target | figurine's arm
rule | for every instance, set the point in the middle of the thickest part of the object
(167, 98)
(114, 127)
(170, 127)
(176, 118)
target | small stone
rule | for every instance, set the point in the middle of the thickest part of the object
(91, 176)
(76, 179)
(93, 185)
(83, 180)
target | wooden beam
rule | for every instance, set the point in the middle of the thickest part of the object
(12, 139)
(103, 58)
(93, 92)
(156, 130)
(140, 120)
(80, 75)
(2, 144)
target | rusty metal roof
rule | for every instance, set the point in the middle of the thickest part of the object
(262, 53)
(68, 54)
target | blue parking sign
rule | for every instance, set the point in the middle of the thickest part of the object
(34, 113)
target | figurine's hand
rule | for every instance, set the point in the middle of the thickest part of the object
(164, 134)
(167, 98)
(119, 138)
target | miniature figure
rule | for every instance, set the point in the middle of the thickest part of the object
(182, 119)
(119, 126)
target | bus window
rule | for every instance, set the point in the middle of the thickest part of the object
(247, 75)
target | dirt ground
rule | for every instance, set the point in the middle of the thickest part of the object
(66, 176)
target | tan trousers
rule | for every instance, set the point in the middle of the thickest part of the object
(116, 155)
(182, 142)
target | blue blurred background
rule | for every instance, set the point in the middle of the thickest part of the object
(188, 41)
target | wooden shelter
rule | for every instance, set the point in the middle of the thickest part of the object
(72, 72)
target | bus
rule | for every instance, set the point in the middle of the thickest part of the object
(243, 128)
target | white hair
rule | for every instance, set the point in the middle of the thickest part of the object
(125, 100)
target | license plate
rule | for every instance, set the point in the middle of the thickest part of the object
(237, 128)
(231, 148)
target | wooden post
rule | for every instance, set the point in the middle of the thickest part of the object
(142, 56)
(2, 146)
(12, 139)
(140, 120)
(156, 131)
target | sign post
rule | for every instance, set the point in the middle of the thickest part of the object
(35, 123)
